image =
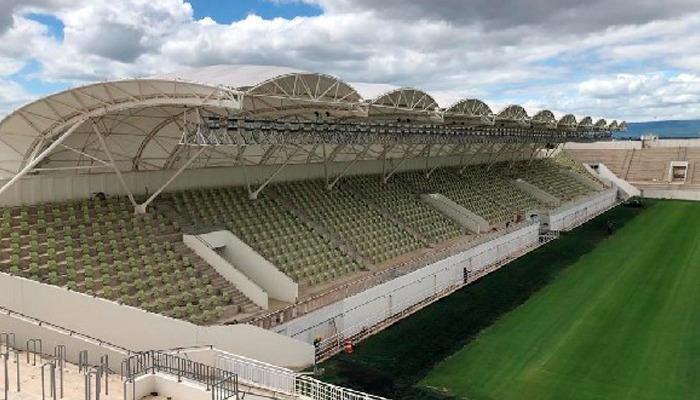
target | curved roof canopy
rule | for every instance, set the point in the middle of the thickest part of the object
(568, 121)
(513, 115)
(141, 121)
(585, 123)
(545, 118)
(473, 111)
(601, 124)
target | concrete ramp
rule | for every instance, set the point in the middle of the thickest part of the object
(458, 213)
(625, 189)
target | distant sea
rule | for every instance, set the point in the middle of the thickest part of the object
(666, 129)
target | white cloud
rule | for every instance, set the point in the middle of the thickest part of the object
(606, 68)
(12, 96)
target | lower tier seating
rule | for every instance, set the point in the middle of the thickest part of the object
(100, 248)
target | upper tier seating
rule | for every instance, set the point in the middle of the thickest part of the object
(450, 185)
(498, 188)
(271, 230)
(340, 211)
(398, 200)
(547, 176)
(100, 248)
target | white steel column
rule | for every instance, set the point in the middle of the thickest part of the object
(438, 164)
(113, 164)
(342, 173)
(476, 153)
(29, 167)
(254, 195)
(403, 160)
(141, 208)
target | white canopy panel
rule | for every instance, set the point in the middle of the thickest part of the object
(141, 120)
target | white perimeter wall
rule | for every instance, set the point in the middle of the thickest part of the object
(50, 337)
(168, 387)
(574, 215)
(369, 307)
(613, 145)
(136, 329)
(671, 194)
(49, 188)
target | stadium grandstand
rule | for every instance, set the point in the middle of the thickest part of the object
(258, 218)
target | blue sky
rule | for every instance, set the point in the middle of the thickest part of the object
(634, 61)
(228, 11)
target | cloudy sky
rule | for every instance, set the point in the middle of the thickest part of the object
(625, 59)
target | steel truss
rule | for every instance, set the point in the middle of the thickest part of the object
(215, 131)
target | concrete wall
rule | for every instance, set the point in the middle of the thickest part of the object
(625, 189)
(351, 314)
(614, 145)
(573, 215)
(238, 279)
(679, 194)
(456, 212)
(265, 274)
(168, 387)
(25, 329)
(54, 187)
(136, 329)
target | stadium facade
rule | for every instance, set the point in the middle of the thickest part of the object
(257, 210)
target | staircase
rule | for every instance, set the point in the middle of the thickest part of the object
(241, 303)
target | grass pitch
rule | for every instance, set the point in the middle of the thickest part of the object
(622, 322)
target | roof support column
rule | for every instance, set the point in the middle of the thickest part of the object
(502, 150)
(438, 164)
(325, 164)
(254, 194)
(476, 153)
(395, 168)
(113, 164)
(467, 146)
(36, 160)
(516, 151)
(342, 173)
(534, 153)
(141, 208)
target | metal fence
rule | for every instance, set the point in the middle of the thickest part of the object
(222, 384)
(257, 373)
(317, 390)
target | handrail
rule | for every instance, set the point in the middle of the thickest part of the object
(66, 331)
(223, 384)
(305, 306)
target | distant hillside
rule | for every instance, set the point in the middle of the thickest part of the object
(689, 128)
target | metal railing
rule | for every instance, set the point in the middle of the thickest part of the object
(317, 390)
(373, 324)
(282, 380)
(278, 317)
(257, 373)
(223, 384)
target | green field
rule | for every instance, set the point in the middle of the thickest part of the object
(621, 322)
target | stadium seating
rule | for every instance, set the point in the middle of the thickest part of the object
(547, 176)
(100, 248)
(450, 185)
(497, 187)
(344, 213)
(398, 200)
(271, 230)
